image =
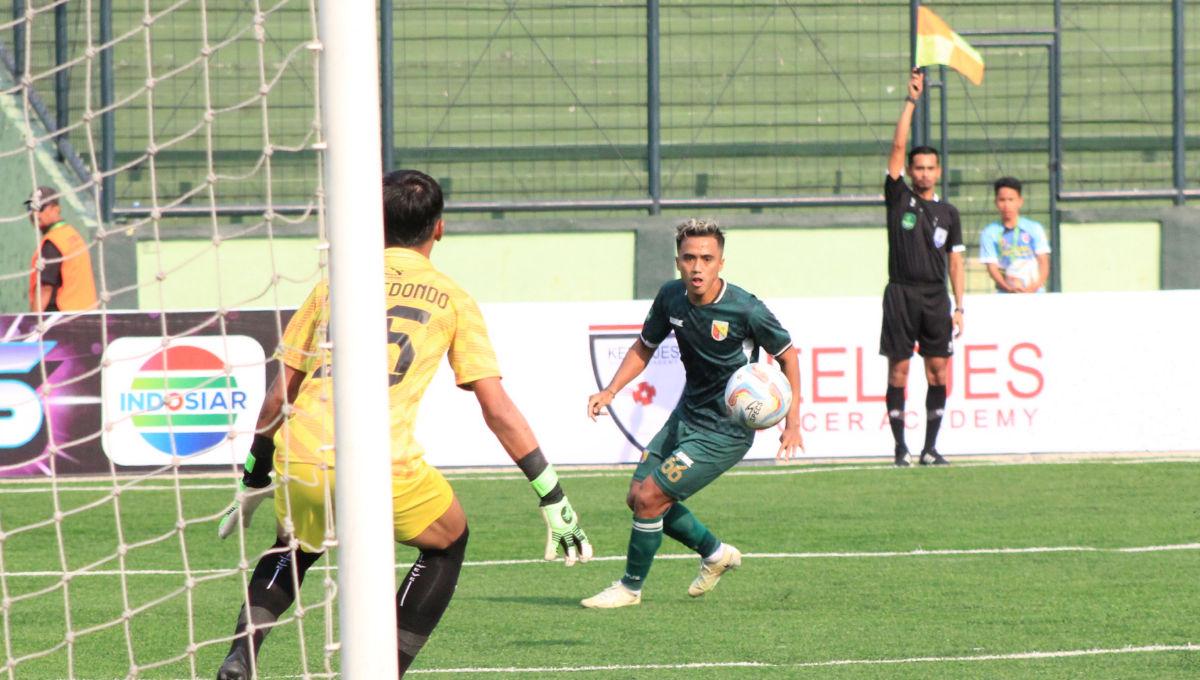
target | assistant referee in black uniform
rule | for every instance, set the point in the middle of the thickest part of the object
(924, 240)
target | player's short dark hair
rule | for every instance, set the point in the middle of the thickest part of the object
(412, 206)
(923, 151)
(1007, 182)
(695, 227)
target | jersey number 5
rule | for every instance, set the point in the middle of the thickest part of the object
(401, 341)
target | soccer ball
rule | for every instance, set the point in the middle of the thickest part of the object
(757, 396)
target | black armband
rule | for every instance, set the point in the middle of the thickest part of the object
(541, 476)
(256, 474)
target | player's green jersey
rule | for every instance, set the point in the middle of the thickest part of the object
(714, 341)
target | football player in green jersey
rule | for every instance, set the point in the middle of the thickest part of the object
(715, 323)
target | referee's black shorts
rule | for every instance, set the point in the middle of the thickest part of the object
(916, 315)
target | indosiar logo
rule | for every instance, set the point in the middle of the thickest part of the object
(184, 400)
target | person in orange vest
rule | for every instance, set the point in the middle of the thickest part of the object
(65, 274)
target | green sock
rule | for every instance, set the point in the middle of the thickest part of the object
(680, 524)
(644, 539)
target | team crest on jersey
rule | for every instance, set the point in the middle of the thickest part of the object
(909, 220)
(720, 330)
(640, 409)
(939, 237)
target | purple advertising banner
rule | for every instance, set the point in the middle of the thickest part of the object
(89, 393)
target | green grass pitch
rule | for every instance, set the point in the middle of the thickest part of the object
(851, 572)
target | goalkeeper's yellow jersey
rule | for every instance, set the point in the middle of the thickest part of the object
(429, 316)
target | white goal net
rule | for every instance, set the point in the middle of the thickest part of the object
(182, 142)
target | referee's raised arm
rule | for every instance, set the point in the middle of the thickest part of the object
(916, 83)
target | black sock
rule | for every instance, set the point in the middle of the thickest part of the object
(272, 590)
(424, 596)
(895, 407)
(935, 405)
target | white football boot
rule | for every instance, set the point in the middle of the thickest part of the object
(711, 572)
(612, 597)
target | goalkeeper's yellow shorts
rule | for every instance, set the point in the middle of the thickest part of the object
(304, 491)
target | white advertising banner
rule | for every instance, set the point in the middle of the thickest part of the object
(197, 399)
(1105, 372)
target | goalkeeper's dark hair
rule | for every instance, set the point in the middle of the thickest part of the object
(694, 227)
(1007, 183)
(923, 151)
(412, 206)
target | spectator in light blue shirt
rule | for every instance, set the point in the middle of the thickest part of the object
(1015, 249)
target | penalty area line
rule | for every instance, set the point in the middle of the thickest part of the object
(755, 468)
(1014, 656)
(919, 552)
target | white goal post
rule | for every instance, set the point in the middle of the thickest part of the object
(239, 143)
(353, 182)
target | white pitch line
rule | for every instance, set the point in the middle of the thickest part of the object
(125, 489)
(1160, 548)
(878, 554)
(37, 486)
(1015, 656)
(231, 486)
(611, 667)
(919, 552)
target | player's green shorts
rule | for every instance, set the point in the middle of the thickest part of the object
(684, 459)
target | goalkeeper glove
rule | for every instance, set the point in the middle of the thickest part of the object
(562, 523)
(241, 510)
(563, 531)
(252, 488)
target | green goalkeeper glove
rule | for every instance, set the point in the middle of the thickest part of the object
(253, 488)
(562, 524)
(241, 510)
(563, 531)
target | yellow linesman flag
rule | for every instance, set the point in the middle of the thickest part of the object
(937, 44)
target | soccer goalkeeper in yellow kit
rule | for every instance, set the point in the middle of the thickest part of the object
(429, 317)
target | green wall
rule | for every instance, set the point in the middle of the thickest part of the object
(807, 262)
(236, 274)
(600, 264)
(494, 268)
(514, 267)
(1113, 256)
(540, 267)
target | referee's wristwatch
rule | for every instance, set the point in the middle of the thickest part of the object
(958, 310)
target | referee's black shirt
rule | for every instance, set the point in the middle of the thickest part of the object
(921, 234)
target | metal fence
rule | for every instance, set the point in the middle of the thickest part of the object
(650, 105)
(767, 100)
